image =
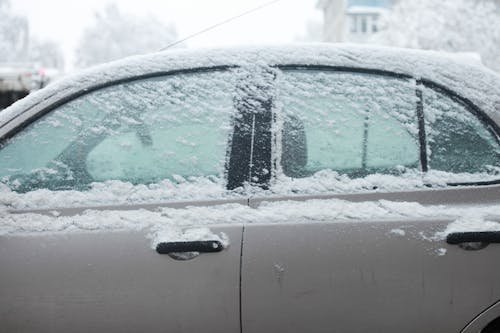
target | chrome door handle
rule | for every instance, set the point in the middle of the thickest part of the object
(488, 237)
(194, 246)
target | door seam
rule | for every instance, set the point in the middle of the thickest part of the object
(241, 270)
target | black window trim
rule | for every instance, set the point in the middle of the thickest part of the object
(488, 122)
(422, 136)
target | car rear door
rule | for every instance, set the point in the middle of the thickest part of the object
(374, 256)
(362, 275)
(84, 244)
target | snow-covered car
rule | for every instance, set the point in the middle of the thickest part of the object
(308, 188)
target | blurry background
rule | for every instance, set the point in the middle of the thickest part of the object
(42, 40)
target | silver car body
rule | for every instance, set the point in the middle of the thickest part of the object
(336, 275)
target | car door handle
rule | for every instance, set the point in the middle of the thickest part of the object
(194, 246)
(456, 238)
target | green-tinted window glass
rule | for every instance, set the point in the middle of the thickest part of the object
(140, 132)
(352, 123)
(457, 140)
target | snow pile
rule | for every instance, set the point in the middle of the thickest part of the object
(168, 223)
(328, 181)
(472, 223)
(87, 221)
(213, 188)
(119, 193)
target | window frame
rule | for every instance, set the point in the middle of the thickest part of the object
(421, 83)
(232, 178)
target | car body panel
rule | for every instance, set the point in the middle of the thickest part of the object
(361, 276)
(113, 281)
(392, 275)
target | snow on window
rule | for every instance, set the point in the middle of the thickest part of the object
(352, 123)
(142, 132)
(458, 142)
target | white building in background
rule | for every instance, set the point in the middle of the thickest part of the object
(351, 20)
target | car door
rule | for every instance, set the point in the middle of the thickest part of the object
(387, 251)
(96, 233)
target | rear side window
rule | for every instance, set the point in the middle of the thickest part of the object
(457, 141)
(145, 131)
(352, 123)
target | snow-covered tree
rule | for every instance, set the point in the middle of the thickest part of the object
(14, 34)
(46, 53)
(445, 25)
(16, 45)
(115, 35)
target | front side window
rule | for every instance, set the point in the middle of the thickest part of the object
(457, 141)
(352, 123)
(144, 131)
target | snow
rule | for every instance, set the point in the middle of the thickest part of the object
(441, 251)
(399, 232)
(174, 224)
(328, 181)
(471, 223)
(119, 193)
(212, 188)
(474, 82)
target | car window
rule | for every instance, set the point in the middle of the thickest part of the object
(457, 141)
(143, 131)
(352, 123)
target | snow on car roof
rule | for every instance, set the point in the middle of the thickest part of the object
(472, 81)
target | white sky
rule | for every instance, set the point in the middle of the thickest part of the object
(64, 20)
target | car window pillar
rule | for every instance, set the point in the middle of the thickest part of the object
(421, 127)
(250, 160)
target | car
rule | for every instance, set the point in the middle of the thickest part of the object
(297, 188)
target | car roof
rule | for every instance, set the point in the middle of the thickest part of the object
(472, 81)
